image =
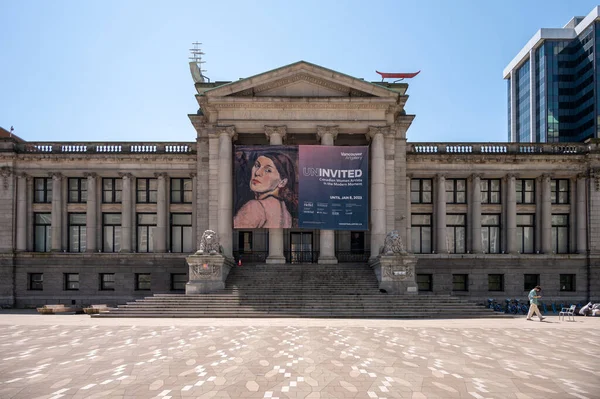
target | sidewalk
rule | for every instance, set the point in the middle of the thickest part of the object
(75, 356)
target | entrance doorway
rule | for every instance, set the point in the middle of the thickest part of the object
(301, 247)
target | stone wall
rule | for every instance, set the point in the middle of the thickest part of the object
(7, 208)
(6, 280)
(442, 267)
(89, 267)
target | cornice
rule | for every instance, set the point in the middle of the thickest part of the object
(301, 105)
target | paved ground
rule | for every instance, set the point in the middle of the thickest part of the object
(74, 356)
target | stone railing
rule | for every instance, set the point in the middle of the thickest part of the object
(497, 148)
(106, 148)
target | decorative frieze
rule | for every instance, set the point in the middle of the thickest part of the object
(303, 105)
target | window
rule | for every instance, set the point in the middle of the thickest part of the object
(146, 191)
(112, 190)
(425, 282)
(567, 282)
(357, 242)
(560, 191)
(77, 190)
(245, 241)
(36, 281)
(77, 232)
(525, 233)
(107, 281)
(42, 233)
(111, 232)
(181, 232)
(525, 191)
(71, 281)
(420, 191)
(142, 281)
(495, 282)
(490, 233)
(490, 191)
(181, 191)
(421, 233)
(146, 224)
(456, 227)
(560, 234)
(530, 281)
(178, 281)
(456, 191)
(42, 187)
(460, 282)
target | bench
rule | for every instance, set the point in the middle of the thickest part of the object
(95, 309)
(53, 309)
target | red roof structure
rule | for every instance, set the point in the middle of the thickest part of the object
(399, 76)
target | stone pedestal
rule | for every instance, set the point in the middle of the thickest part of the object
(207, 273)
(396, 273)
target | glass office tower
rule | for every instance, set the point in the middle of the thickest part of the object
(553, 85)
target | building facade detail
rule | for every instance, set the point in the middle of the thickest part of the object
(477, 220)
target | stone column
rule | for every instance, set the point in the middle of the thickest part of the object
(225, 193)
(476, 214)
(511, 214)
(377, 197)
(546, 215)
(440, 215)
(327, 135)
(160, 237)
(275, 134)
(126, 212)
(90, 213)
(21, 212)
(55, 228)
(581, 214)
(194, 178)
(408, 242)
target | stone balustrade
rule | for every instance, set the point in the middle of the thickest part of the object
(107, 147)
(501, 148)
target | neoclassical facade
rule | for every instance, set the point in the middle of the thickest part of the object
(108, 222)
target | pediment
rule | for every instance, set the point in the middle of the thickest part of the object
(301, 85)
(301, 79)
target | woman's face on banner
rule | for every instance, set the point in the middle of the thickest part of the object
(265, 176)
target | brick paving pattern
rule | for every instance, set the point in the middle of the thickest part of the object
(46, 357)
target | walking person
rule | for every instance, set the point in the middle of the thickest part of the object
(534, 296)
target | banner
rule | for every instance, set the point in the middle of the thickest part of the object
(307, 186)
(334, 187)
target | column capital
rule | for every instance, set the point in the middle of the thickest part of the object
(226, 130)
(409, 175)
(56, 175)
(93, 175)
(323, 130)
(125, 175)
(510, 176)
(193, 175)
(545, 177)
(474, 176)
(6, 171)
(23, 175)
(161, 175)
(440, 176)
(274, 130)
(375, 130)
(581, 175)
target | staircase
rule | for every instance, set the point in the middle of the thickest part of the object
(307, 290)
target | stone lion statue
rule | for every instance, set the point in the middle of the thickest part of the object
(209, 243)
(393, 244)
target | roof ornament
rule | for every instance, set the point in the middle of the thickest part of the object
(196, 64)
(398, 76)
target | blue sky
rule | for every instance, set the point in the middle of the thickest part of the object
(117, 70)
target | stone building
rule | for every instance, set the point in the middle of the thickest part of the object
(91, 222)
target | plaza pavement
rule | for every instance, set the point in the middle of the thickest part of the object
(75, 356)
